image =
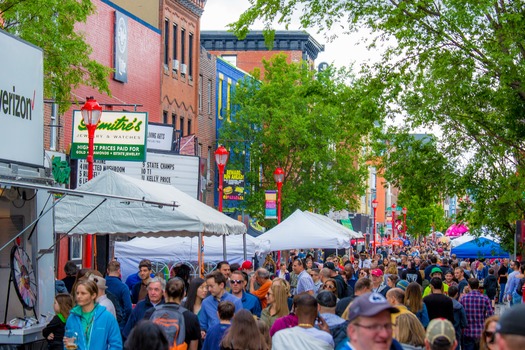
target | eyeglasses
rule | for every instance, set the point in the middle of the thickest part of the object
(376, 327)
(235, 281)
(491, 337)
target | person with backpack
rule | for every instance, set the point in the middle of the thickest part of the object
(180, 325)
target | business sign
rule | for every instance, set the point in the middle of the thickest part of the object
(21, 101)
(170, 169)
(121, 48)
(119, 136)
(270, 208)
(160, 137)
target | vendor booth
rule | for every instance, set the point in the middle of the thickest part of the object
(302, 230)
(480, 248)
(166, 253)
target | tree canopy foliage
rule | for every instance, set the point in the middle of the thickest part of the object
(310, 124)
(50, 25)
(457, 66)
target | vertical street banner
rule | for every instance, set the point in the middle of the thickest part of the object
(270, 208)
(233, 192)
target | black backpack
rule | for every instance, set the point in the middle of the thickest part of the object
(119, 310)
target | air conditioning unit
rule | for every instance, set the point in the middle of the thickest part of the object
(175, 65)
(184, 69)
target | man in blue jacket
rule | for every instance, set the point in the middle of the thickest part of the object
(116, 287)
(155, 297)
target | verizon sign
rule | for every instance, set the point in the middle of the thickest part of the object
(21, 102)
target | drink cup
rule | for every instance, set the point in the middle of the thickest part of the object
(70, 340)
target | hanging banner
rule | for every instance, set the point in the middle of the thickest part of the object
(270, 211)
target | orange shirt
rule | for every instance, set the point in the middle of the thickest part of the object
(261, 293)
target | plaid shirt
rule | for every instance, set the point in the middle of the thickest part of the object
(477, 307)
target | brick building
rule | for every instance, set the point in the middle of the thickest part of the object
(249, 53)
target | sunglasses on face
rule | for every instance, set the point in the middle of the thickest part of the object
(491, 337)
(236, 281)
(328, 286)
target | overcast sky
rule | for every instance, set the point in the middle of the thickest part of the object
(343, 51)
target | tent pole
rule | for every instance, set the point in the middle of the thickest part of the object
(245, 255)
(201, 255)
(224, 257)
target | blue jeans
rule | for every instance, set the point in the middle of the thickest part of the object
(501, 291)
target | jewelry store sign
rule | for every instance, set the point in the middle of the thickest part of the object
(119, 136)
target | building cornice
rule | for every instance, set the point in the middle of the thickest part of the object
(254, 41)
(194, 6)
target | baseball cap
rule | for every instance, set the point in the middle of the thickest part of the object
(376, 272)
(247, 264)
(330, 265)
(368, 305)
(402, 284)
(508, 322)
(440, 327)
(436, 270)
(100, 281)
(326, 299)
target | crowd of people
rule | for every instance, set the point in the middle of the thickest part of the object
(414, 297)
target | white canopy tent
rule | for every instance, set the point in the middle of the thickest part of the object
(301, 231)
(336, 226)
(169, 251)
(115, 216)
(98, 215)
(467, 237)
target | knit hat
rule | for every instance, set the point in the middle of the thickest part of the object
(440, 327)
(402, 284)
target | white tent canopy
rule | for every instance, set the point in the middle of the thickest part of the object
(336, 226)
(171, 250)
(467, 237)
(116, 216)
(301, 231)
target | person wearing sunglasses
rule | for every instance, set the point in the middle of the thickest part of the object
(488, 337)
(238, 281)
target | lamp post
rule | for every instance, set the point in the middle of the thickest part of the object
(374, 206)
(221, 158)
(404, 211)
(394, 206)
(278, 176)
(91, 112)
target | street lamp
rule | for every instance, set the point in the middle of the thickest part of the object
(278, 176)
(404, 211)
(374, 206)
(394, 207)
(91, 112)
(221, 158)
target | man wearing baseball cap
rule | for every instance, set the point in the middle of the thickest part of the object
(440, 335)
(510, 331)
(435, 272)
(370, 326)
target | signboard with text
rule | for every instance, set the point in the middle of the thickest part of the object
(119, 136)
(21, 101)
(170, 169)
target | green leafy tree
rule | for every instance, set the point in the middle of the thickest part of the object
(50, 25)
(310, 124)
(458, 66)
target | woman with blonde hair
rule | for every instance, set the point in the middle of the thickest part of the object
(409, 332)
(414, 303)
(277, 304)
(487, 341)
